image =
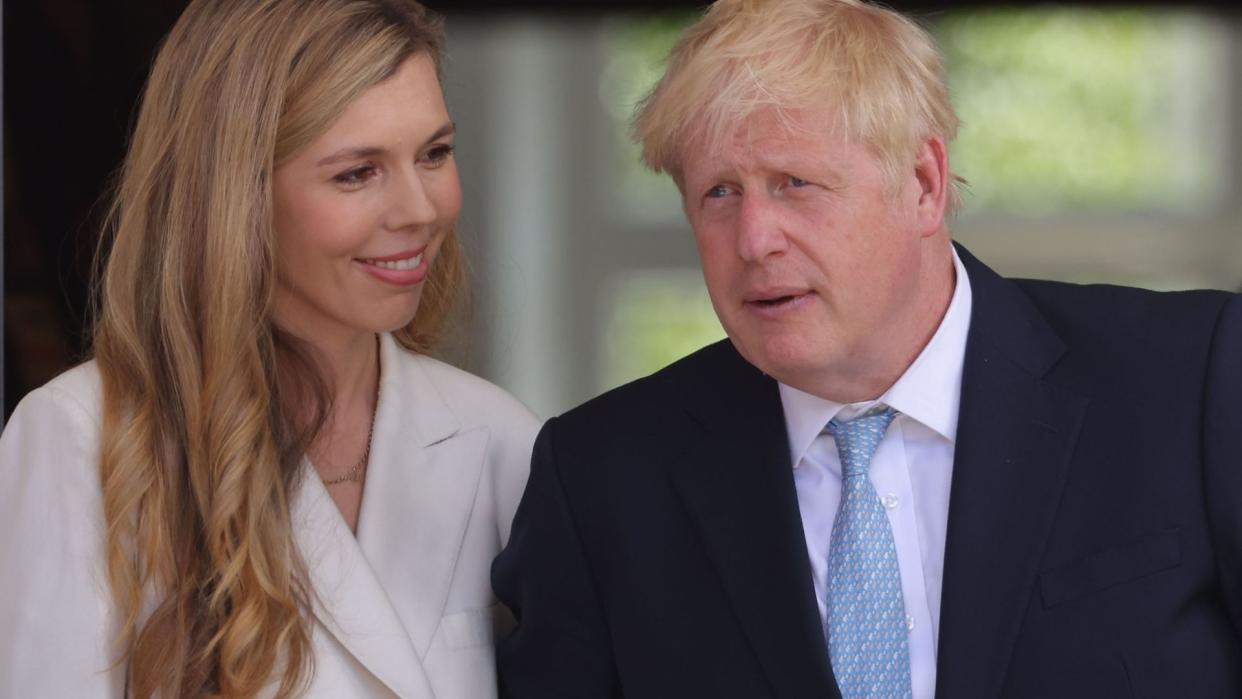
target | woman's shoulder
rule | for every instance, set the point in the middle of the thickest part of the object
(474, 400)
(476, 404)
(74, 397)
(471, 400)
(49, 454)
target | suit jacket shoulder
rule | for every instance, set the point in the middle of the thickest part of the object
(1121, 340)
(1114, 315)
(658, 409)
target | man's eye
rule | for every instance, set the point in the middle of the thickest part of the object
(718, 192)
(356, 176)
(798, 182)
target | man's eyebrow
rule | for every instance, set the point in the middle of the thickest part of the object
(364, 152)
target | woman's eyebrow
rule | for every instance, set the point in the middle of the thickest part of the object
(447, 130)
(344, 154)
(364, 152)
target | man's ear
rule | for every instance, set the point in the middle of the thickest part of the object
(931, 170)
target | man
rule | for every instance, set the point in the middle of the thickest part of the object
(902, 475)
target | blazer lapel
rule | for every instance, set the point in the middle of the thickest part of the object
(349, 600)
(420, 492)
(1016, 434)
(738, 486)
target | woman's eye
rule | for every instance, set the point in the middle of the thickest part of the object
(357, 176)
(798, 182)
(438, 155)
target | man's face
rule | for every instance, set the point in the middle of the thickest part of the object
(812, 259)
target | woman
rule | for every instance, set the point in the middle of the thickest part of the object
(179, 514)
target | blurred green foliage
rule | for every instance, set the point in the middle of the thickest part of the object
(657, 317)
(1062, 108)
(1079, 109)
(638, 48)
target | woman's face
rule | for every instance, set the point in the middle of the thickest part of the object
(361, 212)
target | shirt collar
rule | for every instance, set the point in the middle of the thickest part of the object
(929, 392)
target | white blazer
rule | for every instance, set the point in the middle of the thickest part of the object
(405, 609)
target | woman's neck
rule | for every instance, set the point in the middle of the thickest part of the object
(341, 449)
(347, 357)
(351, 368)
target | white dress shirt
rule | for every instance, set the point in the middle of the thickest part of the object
(912, 470)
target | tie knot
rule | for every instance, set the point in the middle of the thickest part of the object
(858, 439)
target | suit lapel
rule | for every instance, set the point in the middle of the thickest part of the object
(420, 492)
(350, 602)
(1016, 434)
(383, 593)
(737, 484)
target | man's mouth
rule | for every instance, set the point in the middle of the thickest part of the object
(775, 296)
(776, 301)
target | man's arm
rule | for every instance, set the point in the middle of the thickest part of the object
(561, 647)
(1223, 453)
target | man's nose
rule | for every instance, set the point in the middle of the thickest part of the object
(759, 234)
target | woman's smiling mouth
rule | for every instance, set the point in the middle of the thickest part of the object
(403, 269)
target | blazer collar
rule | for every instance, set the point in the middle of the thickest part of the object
(737, 484)
(1016, 434)
(420, 489)
(383, 593)
(350, 601)
(1002, 315)
(411, 402)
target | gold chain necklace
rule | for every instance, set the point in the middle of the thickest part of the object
(355, 473)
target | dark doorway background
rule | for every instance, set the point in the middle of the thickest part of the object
(72, 72)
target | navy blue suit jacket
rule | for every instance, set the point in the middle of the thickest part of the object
(1094, 544)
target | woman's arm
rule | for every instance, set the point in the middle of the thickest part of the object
(56, 625)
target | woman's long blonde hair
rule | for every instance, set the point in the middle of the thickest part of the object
(200, 449)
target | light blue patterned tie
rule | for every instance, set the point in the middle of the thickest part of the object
(866, 612)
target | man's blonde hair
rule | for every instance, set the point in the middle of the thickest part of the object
(879, 71)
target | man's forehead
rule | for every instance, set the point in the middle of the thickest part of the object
(765, 135)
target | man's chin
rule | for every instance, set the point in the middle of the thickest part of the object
(786, 358)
